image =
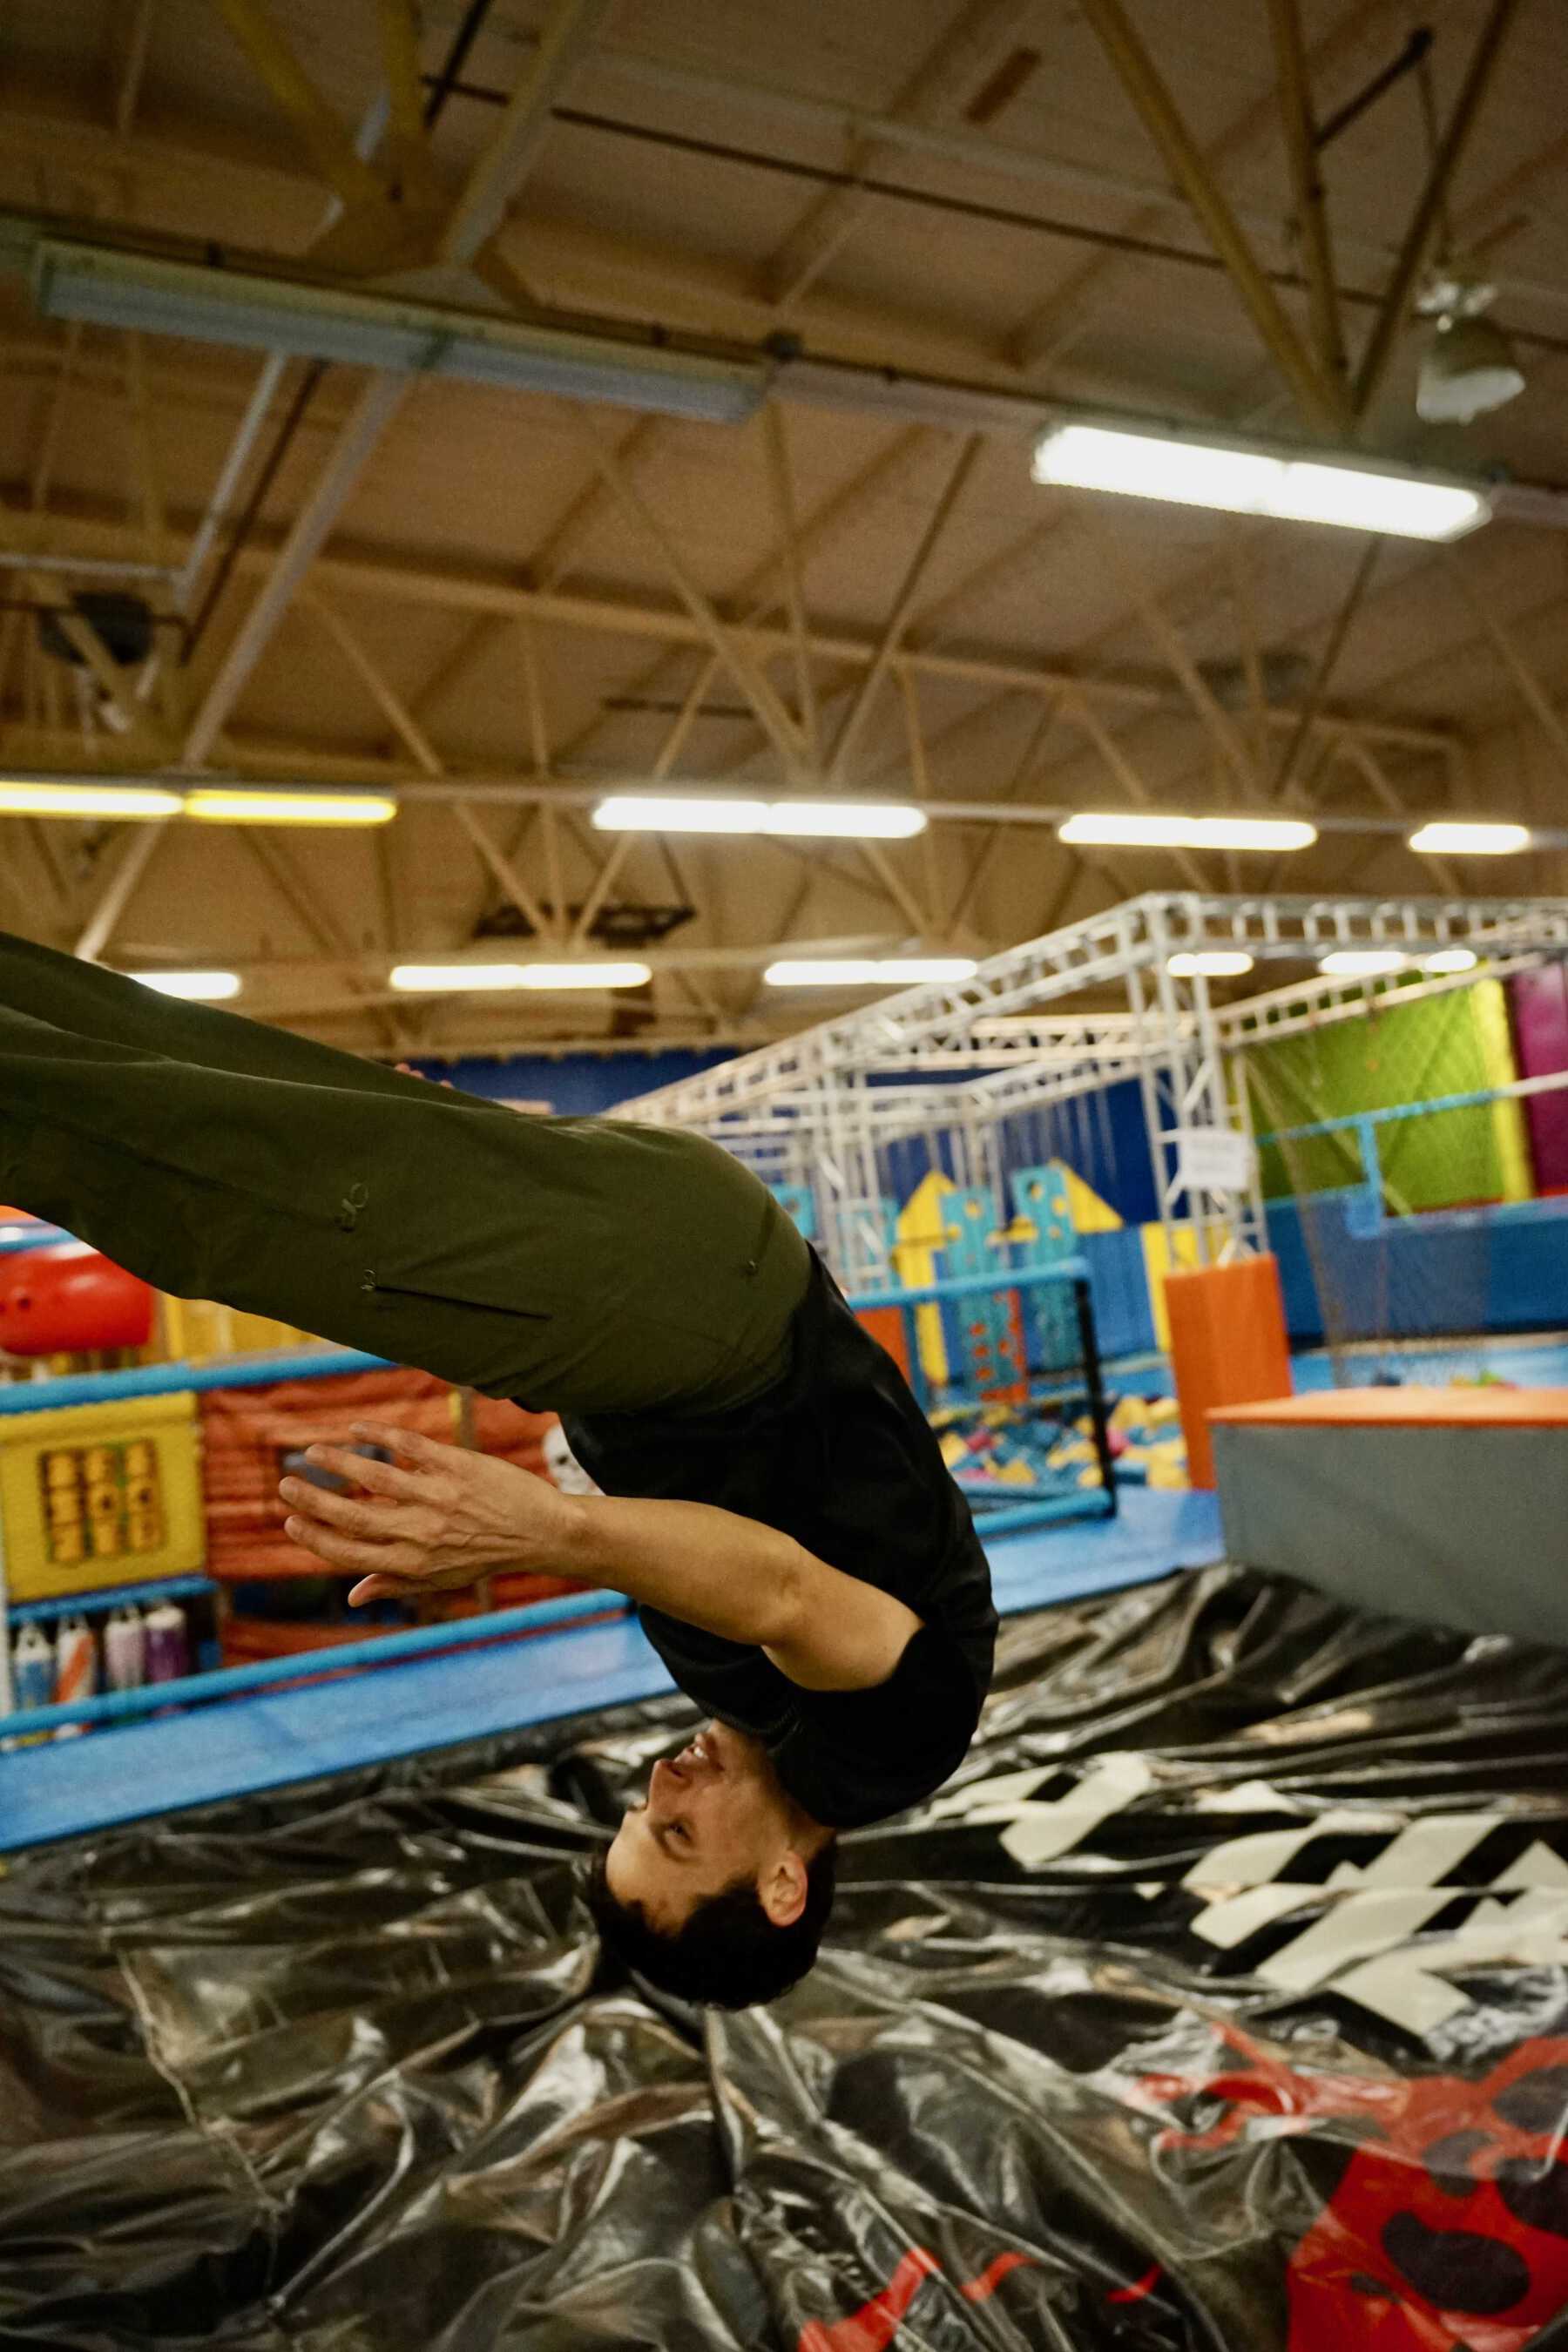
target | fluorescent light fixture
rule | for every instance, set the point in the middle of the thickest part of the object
(1156, 829)
(1456, 840)
(866, 971)
(1253, 833)
(444, 979)
(1450, 960)
(206, 304)
(196, 987)
(291, 808)
(1242, 480)
(587, 975)
(1117, 832)
(667, 813)
(116, 800)
(1209, 963)
(846, 820)
(1363, 964)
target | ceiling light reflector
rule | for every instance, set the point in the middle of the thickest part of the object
(210, 304)
(1468, 370)
(1240, 480)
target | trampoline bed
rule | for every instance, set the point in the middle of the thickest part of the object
(1221, 2002)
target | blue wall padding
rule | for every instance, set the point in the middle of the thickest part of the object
(1128, 1187)
(1503, 1268)
(576, 1085)
(1119, 1288)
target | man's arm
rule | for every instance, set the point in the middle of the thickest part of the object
(734, 1576)
(451, 1516)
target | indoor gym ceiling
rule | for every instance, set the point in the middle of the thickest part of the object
(928, 220)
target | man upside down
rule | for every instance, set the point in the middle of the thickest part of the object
(774, 1500)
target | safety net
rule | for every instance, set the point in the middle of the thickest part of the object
(1415, 1221)
(1221, 2001)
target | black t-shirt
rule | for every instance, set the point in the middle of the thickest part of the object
(838, 1455)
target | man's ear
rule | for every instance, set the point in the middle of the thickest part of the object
(782, 1889)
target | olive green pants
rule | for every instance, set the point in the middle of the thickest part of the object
(587, 1264)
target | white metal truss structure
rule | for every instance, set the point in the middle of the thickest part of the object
(953, 1063)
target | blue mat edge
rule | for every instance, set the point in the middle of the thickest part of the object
(278, 1738)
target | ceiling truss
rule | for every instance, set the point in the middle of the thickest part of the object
(832, 705)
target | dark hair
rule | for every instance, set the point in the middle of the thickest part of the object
(729, 1954)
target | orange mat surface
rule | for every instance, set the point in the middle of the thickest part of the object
(1408, 1408)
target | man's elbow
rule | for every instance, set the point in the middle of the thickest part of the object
(795, 1599)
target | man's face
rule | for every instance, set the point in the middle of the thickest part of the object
(712, 1814)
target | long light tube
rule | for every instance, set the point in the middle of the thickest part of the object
(1445, 838)
(845, 820)
(1161, 829)
(1450, 960)
(1363, 964)
(1209, 963)
(866, 971)
(445, 979)
(196, 987)
(1239, 480)
(116, 800)
(290, 808)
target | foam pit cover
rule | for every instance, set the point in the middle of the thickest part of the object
(1222, 2002)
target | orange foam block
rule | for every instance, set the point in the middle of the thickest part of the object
(1229, 1347)
(886, 1325)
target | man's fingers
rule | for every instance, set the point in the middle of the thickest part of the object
(409, 1442)
(381, 1587)
(346, 1552)
(382, 1521)
(376, 1477)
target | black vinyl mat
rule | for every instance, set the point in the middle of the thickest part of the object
(1220, 2002)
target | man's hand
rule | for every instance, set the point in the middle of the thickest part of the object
(435, 1520)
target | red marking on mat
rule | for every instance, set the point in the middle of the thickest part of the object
(1138, 2289)
(873, 2328)
(991, 2278)
(1446, 2231)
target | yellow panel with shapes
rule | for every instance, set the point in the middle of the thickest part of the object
(95, 1495)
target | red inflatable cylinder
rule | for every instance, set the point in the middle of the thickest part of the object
(68, 1299)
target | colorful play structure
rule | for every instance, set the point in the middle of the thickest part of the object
(1393, 1133)
(1364, 1152)
(1098, 1216)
